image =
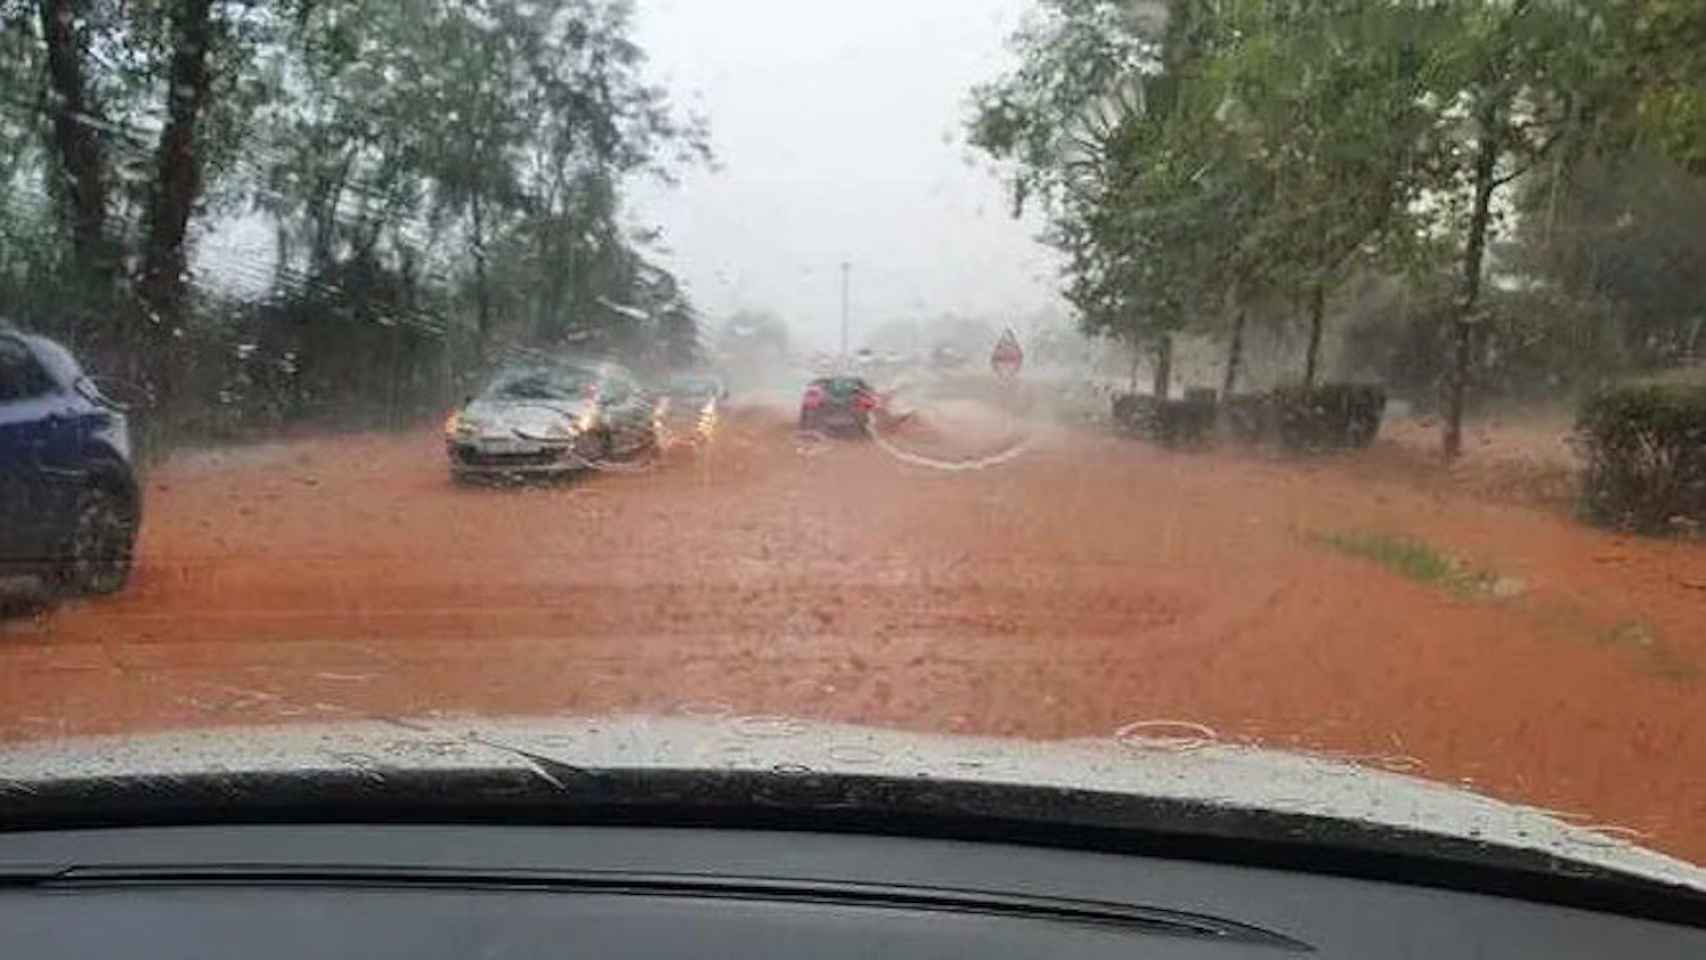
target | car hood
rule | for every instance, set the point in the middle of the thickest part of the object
(1160, 780)
(509, 418)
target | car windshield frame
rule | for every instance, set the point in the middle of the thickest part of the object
(498, 390)
(842, 388)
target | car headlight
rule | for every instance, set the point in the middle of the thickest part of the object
(459, 427)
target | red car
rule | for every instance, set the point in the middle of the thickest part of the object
(833, 404)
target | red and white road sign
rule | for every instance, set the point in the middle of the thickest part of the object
(1008, 356)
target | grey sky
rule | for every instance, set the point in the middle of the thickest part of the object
(838, 128)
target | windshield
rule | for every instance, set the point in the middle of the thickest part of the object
(841, 387)
(1169, 376)
(693, 385)
(562, 384)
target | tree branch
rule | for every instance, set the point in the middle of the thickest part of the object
(1538, 154)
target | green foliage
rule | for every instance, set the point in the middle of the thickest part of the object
(1660, 46)
(1411, 559)
(1645, 447)
(1172, 423)
(1533, 345)
(1072, 123)
(444, 180)
(1327, 416)
(508, 132)
(1619, 235)
(1238, 150)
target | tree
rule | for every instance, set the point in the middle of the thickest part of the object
(1066, 123)
(1239, 148)
(80, 152)
(517, 150)
(1515, 80)
(1325, 107)
(437, 172)
(178, 159)
(1658, 55)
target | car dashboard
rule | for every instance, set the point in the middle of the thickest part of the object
(425, 891)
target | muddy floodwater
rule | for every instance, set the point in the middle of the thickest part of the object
(991, 570)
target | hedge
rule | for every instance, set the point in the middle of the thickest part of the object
(1249, 417)
(1645, 448)
(1172, 423)
(1326, 417)
(1329, 416)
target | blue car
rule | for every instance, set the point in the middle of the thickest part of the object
(69, 500)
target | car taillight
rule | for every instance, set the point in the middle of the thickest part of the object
(865, 401)
(813, 397)
(452, 422)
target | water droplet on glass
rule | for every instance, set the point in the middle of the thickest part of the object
(1400, 763)
(1174, 735)
(707, 710)
(854, 754)
(763, 727)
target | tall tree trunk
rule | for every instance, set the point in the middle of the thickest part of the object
(178, 163)
(1474, 253)
(1317, 316)
(482, 297)
(1163, 366)
(1234, 354)
(82, 159)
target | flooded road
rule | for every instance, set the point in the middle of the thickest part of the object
(1010, 575)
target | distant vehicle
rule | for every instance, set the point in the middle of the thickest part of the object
(69, 501)
(838, 404)
(946, 357)
(1008, 356)
(550, 419)
(864, 358)
(691, 402)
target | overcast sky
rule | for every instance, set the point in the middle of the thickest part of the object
(838, 128)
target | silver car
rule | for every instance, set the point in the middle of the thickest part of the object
(551, 419)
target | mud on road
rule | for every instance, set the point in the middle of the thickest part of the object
(1081, 586)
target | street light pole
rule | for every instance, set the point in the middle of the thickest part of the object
(845, 268)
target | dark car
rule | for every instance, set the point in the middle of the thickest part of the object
(553, 418)
(69, 500)
(838, 403)
(690, 403)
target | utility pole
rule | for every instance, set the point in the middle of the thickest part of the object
(845, 268)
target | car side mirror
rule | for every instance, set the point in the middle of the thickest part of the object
(90, 390)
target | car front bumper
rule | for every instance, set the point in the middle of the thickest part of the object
(466, 459)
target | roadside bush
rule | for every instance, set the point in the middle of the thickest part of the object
(1249, 417)
(1171, 423)
(1328, 416)
(1134, 413)
(1645, 448)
